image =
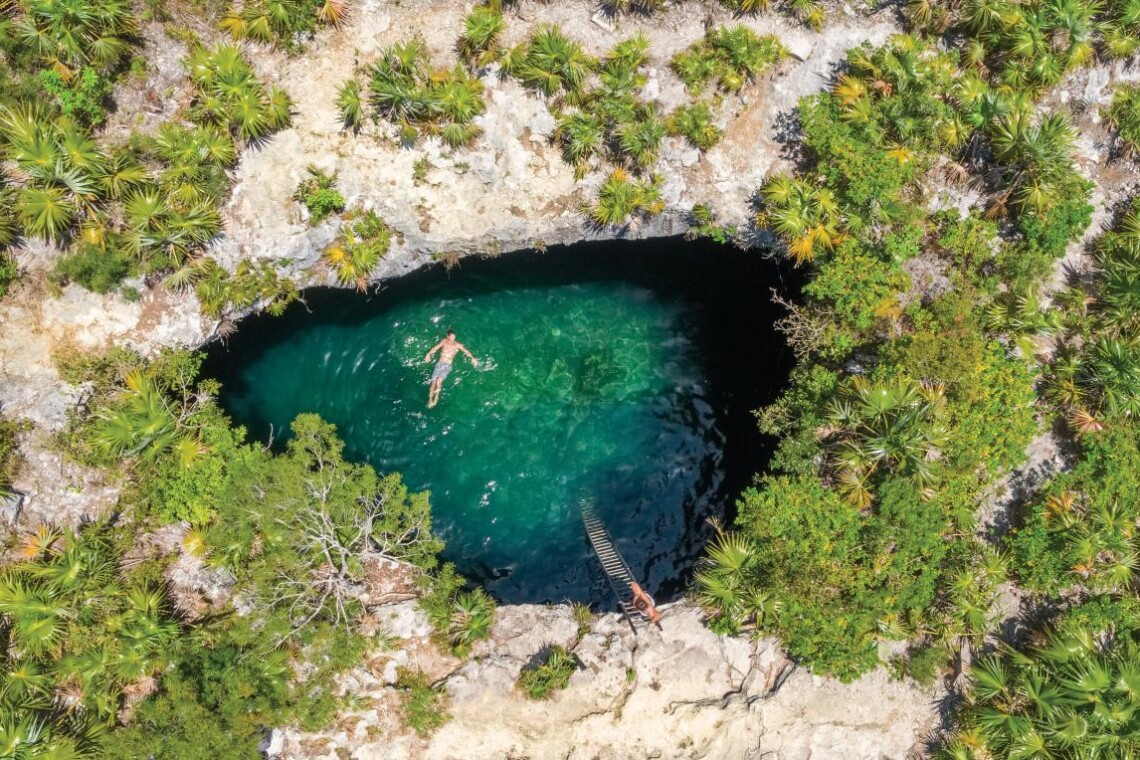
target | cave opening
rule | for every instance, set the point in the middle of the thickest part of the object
(620, 373)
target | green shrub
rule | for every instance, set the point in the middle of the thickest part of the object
(81, 99)
(10, 456)
(551, 674)
(550, 62)
(96, 270)
(695, 123)
(80, 631)
(404, 90)
(702, 224)
(359, 248)
(9, 272)
(229, 94)
(1073, 691)
(281, 21)
(732, 56)
(350, 101)
(424, 706)
(481, 30)
(250, 285)
(1123, 115)
(319, 194)
(808, 11)
(622, 196)
(1081, 530)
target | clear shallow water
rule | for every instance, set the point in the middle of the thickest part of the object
(607, 374)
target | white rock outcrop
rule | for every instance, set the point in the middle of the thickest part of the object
(678, 692)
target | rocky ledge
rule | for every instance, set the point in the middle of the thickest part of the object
(678, 692)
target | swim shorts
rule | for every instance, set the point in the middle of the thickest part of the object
(441, 371)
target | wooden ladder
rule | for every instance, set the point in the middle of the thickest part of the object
(614, 565)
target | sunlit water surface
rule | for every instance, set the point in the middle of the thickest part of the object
(620, 375)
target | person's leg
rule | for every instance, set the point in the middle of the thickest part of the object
(433, 392)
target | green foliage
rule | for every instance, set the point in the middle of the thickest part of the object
(281, 22)
(1123, 115)
(550, 62)
(1095, 379)
(229, 95)
(808, 11)
(68, 35)
(424, 706)
(894, 426)
(80, 637)
(1030, 46)
(251, 285)
(865, 531)
(861, 287)
(805, 217)
(350, 101)
(10, 457)
(922, 664)
(551, 674)
(460, 618)
(481, 30)
(702, 224)
(1082, 531)
(695, 123)
(9, 272)
(621, 196)
(319, 194)
(404, 90)
(612, 121)
(731, 55)
(1075, 693)
(824, 577)
(358, 249)
(154, 201)
(82, 98)
(295, 531)
(96, 270)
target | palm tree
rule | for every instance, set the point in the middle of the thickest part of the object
(554, 64)
(141, 424)
(1112, 375)
(581, 136)
(621, 196)
(1071, 696)
(70, 34)
(728, 583)
(481, 30)
(886, 424)
(350, 101)
(804, 216)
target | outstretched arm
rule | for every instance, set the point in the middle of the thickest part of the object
(463, 348)
(434, 348)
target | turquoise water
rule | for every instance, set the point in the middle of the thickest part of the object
(597, 381)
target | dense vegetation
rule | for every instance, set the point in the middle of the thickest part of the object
(115, 621)
(909, 403)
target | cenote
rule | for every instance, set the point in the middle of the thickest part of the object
(621, 373)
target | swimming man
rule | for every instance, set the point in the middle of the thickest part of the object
(448, 348)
